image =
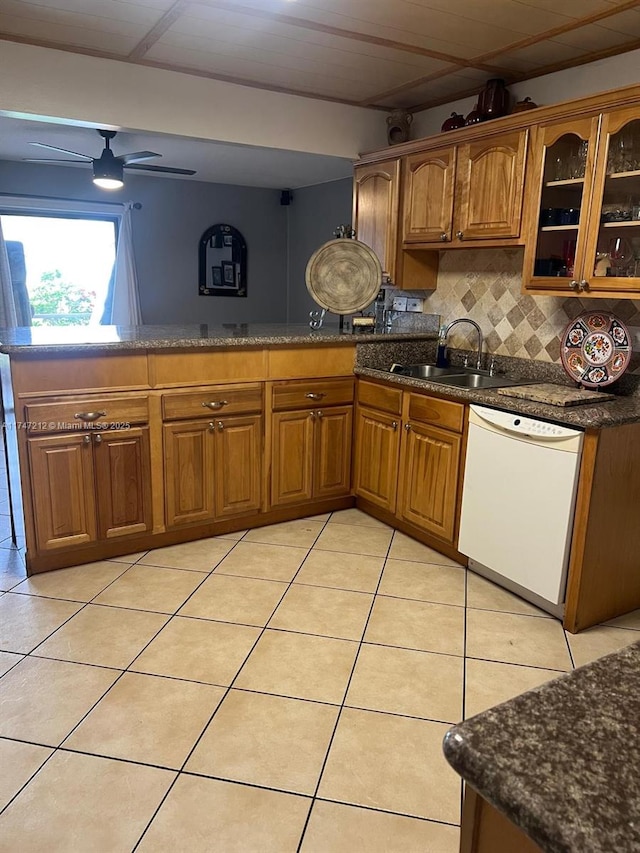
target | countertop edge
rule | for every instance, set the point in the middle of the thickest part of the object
(150, 344)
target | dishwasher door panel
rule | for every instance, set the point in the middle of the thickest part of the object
(517, 509)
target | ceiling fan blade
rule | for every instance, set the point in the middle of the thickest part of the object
(64, 150)
(137, 156)
(166, 169)
(47, 160)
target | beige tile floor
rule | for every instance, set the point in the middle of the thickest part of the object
(279, 690)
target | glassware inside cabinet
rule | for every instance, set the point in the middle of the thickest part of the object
(561, 200)
(619, 229)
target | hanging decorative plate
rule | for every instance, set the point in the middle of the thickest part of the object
(595, 349)
(344, 276)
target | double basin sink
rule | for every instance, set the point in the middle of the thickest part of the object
(457, 377)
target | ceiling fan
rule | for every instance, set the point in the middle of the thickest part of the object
(108, 169)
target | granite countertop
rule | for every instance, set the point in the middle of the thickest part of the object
(562, 761)
(621, 410)
(62, 339)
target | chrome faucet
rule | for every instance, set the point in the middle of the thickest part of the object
(444, 331)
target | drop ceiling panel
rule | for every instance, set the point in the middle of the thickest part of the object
(271, 38)
(319, 81)
(593, 38)
(625, 22)
(103, 39)
(546, 53)
(573, 8)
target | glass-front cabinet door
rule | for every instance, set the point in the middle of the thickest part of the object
(612, 261)
(562, 161)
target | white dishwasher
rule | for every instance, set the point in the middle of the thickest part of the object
(517, 503)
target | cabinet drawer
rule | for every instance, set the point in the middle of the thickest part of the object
(380, 397)
(442, 413)
(218, 400)
(311, 393)
(112, 412)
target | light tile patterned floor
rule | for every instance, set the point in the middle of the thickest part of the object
(279, 690)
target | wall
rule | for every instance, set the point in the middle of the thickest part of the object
(166, 231)
(601, 76)
(484, 284)
(311, 218)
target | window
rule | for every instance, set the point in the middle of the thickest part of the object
(64, 259)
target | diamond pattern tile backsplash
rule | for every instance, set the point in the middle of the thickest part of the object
(485, 284)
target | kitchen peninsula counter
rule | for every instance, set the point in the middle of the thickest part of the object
(562, 761)
(93, 339)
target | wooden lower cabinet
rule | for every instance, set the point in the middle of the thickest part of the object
(408, 448)
(311, 455)
(429, 479)
(90, 486)
(377, 451)
(212, 469)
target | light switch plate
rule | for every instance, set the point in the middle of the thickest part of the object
(399, 303)
(415, 305)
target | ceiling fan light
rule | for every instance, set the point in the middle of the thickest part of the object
(108, 183)
(107, 172)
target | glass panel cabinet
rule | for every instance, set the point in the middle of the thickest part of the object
(584, 230)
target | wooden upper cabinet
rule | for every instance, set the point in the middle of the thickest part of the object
(489, 187)
(428, 196)
(375, 210)
(466, 193)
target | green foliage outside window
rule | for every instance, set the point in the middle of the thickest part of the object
(55, 296)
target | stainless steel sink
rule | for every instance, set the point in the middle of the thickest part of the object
(458, 377)
(475, 380)
(426, 371)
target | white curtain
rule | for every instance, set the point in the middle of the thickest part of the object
(8, 317)
(122, 303)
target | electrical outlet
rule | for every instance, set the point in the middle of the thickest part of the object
(415, 305)
(400, 303)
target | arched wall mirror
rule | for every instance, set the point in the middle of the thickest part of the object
(222, 262)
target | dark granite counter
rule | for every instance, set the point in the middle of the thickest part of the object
(562, 761)
(77, 339)
(622, 410)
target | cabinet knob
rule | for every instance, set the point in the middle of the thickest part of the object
(573, 285)
(215, 404)
(394, 425)
(87, 439)
(311, 395)
(460, 235)
(407, 427)
(97, 439)
(312, 415)
(444, 237)
(584, 284)
(212, 426)
(220, 426)
(320, 414)
(90, 416)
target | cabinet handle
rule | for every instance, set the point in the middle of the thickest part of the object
(444, 237)
(407, 427)
(87, 439)
(220, 426)
(313, 396)
(215, 404)
(584, 284)
(320, 414)
(394, 425)
(460, 235)
(90, 416)
(97, 439)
